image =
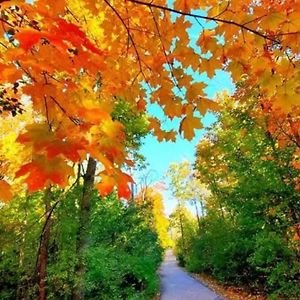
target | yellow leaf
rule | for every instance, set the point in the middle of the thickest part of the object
(188, 125)
(273, 20)
(210, 66)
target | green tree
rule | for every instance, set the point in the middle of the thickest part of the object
(253, 208)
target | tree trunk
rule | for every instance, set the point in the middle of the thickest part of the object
(197, 214)
(202, 208)
(181, 228)
(43, 248)
(82, 235)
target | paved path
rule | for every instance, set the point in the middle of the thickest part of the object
(178, 285)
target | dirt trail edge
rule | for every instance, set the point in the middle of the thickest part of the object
(176, 284)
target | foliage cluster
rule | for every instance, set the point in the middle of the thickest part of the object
(121, 258)
(249, 235)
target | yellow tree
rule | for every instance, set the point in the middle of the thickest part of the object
(12, 154)
(154, 200)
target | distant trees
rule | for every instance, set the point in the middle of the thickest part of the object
(152, 199)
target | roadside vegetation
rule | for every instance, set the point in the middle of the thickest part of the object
(248, 232)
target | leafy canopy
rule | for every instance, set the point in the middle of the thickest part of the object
(72, 58)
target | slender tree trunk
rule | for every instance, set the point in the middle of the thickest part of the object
(82, 235)
(43, 249)
(20, 288)
(181, 227)
(202, 208)
(197, 214)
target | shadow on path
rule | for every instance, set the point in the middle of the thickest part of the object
(176, 284)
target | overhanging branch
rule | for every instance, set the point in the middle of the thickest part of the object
(215, 19)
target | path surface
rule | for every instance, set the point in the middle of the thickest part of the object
(178, 285)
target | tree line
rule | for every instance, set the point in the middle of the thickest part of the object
(248, 234)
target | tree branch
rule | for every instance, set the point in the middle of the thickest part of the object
(175, 80)
(215, 19)
(129, 36)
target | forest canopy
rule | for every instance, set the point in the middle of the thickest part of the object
(71, 60)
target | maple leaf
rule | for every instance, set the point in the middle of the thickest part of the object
(123, 180)
(9, 73)
(74, 34)
(188, 125)
(70, 149)
(42, 172)
(286, 101)
(210, 66)
(170, 136)
(207, 42)
(204, 105)
(118, 179)
(106, 185)
(173, 109)
(194, 91)
(37, 135)
(41, 138)
(27, 38)
(273, 20)
(186, 5)
(5, 191)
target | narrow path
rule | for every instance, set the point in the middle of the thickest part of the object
(176, 284)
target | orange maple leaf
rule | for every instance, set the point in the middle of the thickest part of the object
(42, 172)
(5, 191)
(188, 125)
(118, 179)
(106, 185)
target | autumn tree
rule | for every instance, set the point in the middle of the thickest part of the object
(91, 52)
(184, 227)
(48, 216)
(153, 200)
